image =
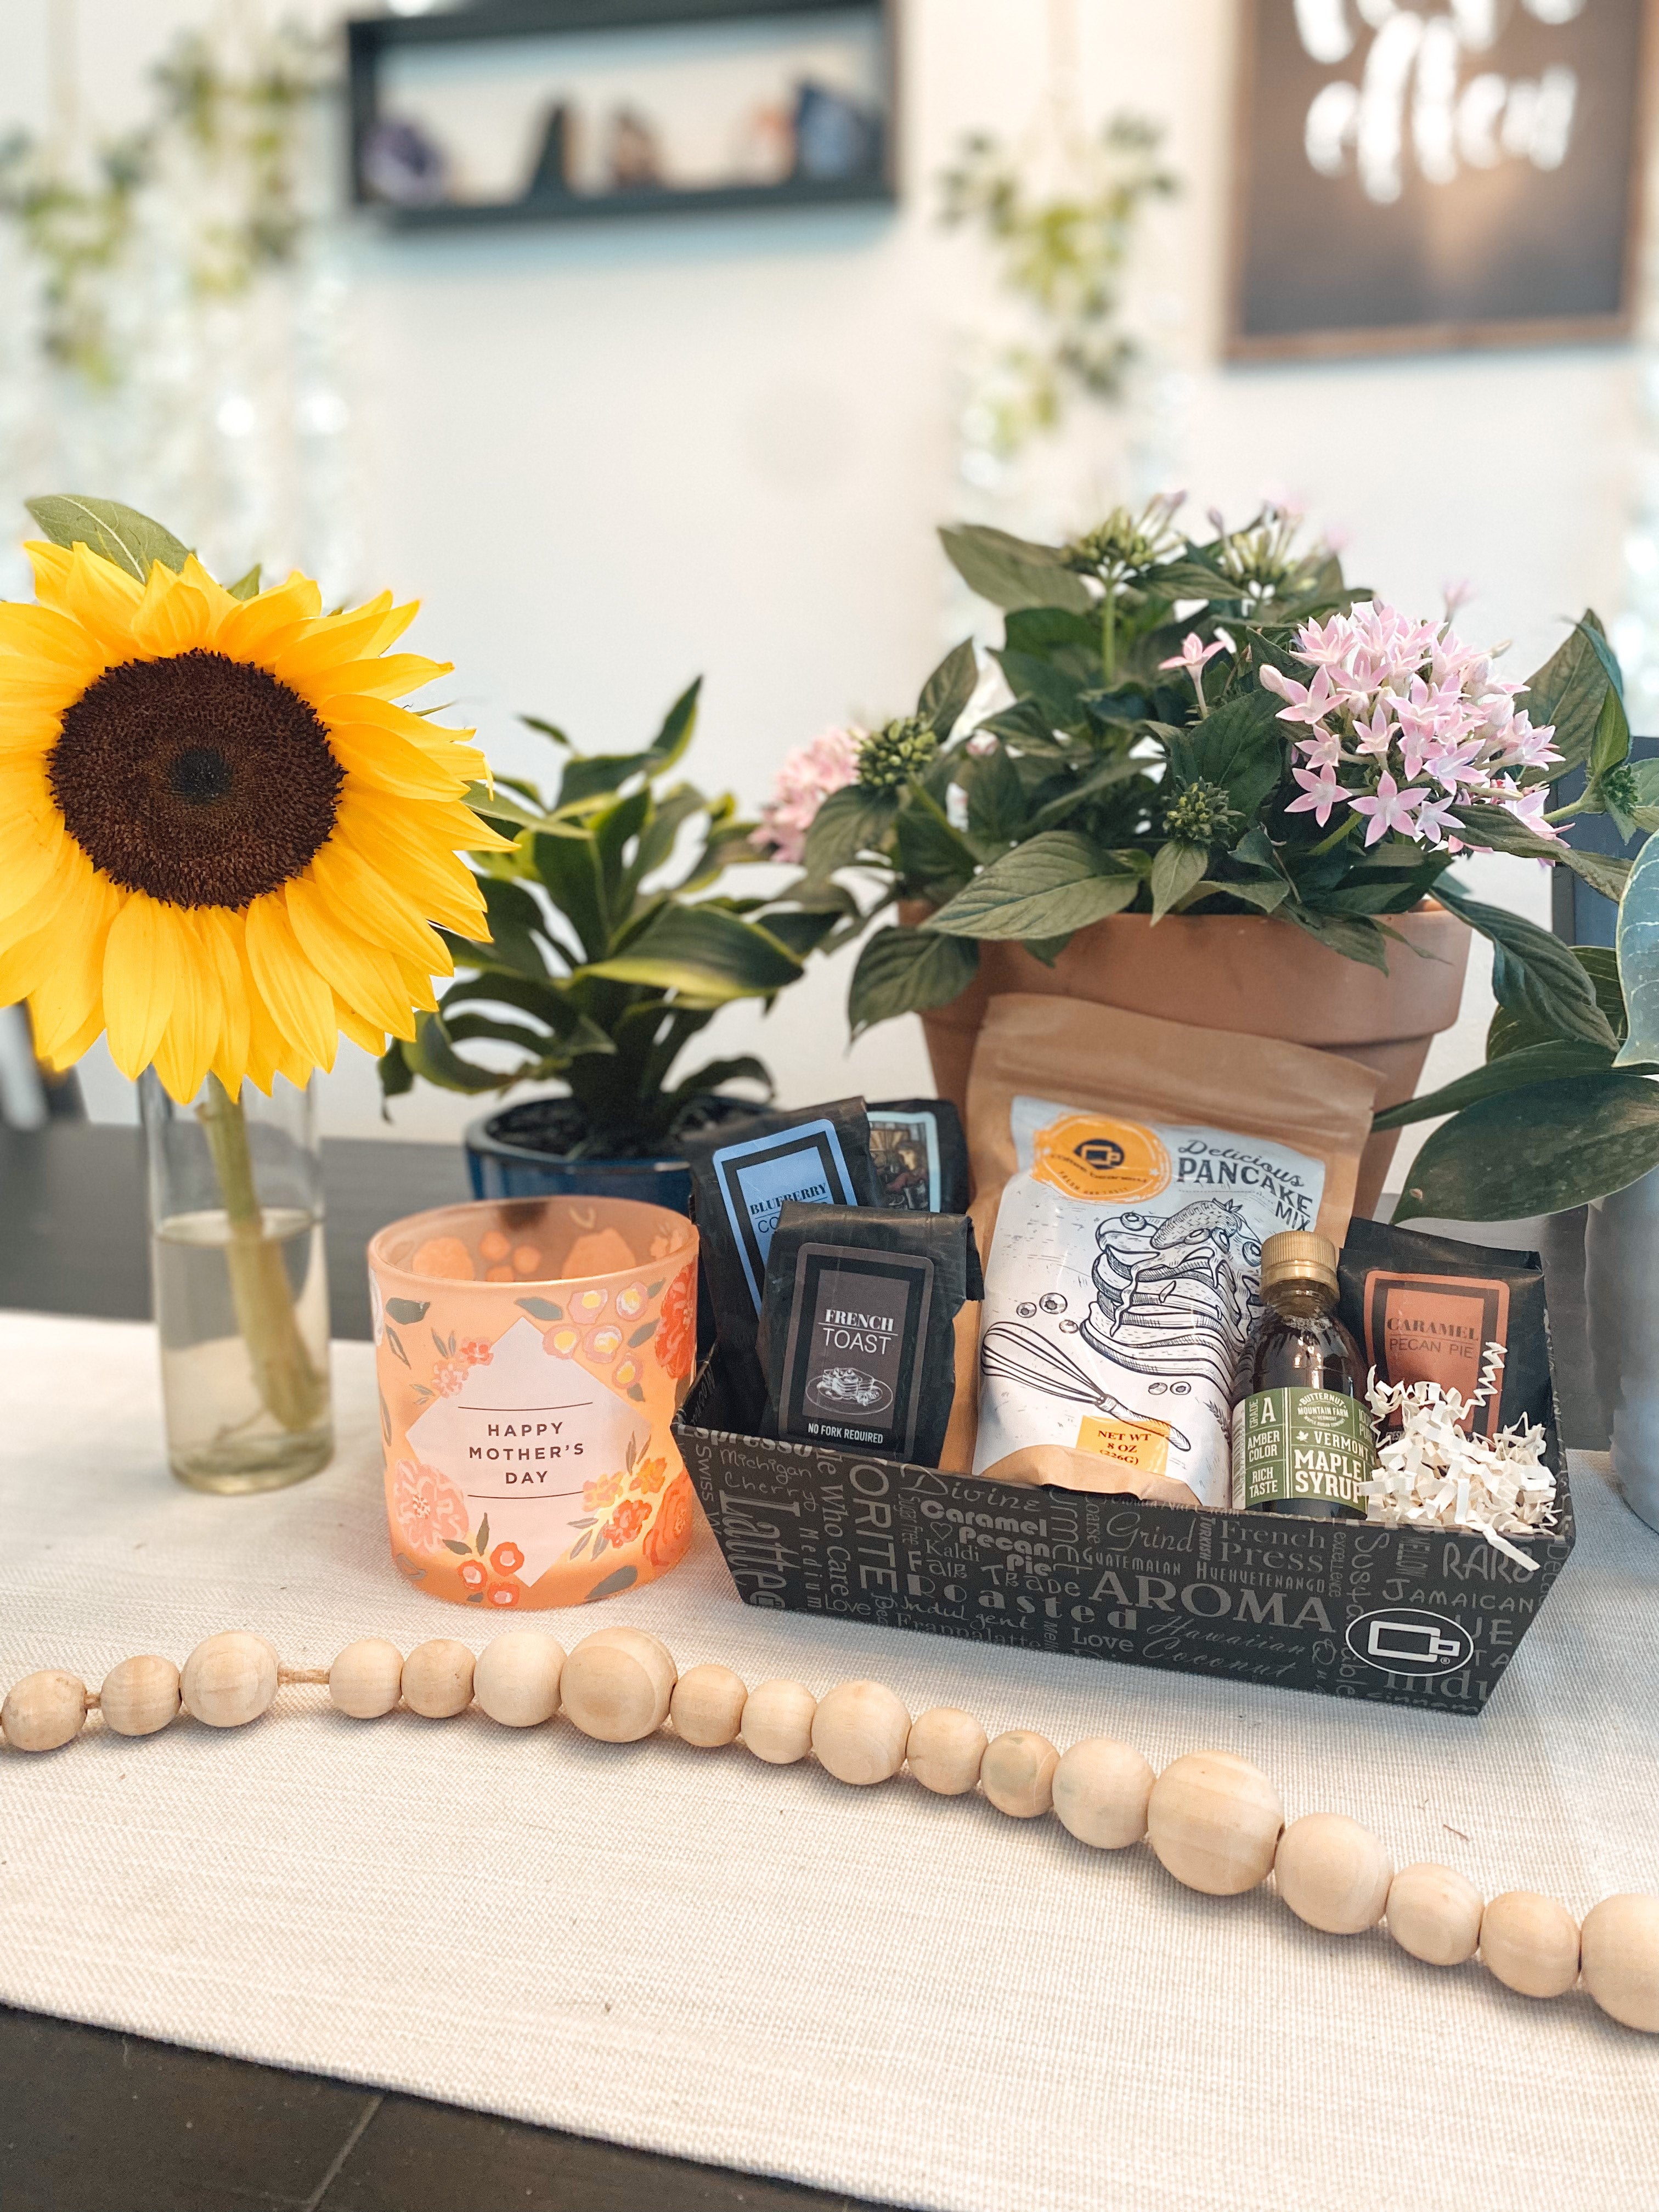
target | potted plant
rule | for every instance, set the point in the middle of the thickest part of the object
(607, 952)
(1222, 780)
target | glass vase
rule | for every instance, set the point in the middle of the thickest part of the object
(240, 1283)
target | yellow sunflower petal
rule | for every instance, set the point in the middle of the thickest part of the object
(140, 981)
(392, 763)
(219, 601)
(104, 599)
(248, 627)
(362, 898)
(360, 1032)
(364, 975)
(51, 564)
(301, 1002)
(387, 677)
(188, 1044)
(24, 966)
(43, 633)
(31, 851)
(221, 935)
(69, 993)
(335, 641)
(172, 617)
(69, 1048)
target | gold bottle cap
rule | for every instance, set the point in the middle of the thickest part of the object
(1297, 1256)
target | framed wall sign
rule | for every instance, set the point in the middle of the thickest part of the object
(1464, 173)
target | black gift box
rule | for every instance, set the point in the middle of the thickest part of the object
(1401, 1616)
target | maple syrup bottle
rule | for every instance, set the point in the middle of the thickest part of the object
(1302, 1437)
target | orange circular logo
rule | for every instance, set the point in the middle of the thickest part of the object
(1091, 1155)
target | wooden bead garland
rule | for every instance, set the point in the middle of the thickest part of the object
(1213, 1820)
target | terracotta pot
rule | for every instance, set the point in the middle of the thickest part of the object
(1243, 972)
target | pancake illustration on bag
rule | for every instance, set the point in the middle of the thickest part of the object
(1176, 1298)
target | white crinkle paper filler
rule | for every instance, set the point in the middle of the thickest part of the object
(1434, 1474)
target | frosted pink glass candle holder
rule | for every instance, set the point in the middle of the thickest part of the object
(531, 1354)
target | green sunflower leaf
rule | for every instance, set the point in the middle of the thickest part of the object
(119, 534)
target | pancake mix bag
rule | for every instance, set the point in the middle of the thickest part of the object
(1128, 1171)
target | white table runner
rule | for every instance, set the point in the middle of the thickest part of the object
(911, 1999)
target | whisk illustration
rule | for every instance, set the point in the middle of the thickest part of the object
(1023, 1356)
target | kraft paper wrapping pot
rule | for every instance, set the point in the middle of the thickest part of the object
(525, 1419)
(1243, 972)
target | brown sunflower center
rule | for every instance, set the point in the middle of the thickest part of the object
(197, 779)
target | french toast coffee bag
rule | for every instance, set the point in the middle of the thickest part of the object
(1128, 1171)
(742, 1174)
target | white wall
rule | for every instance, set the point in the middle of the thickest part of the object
(609, 460)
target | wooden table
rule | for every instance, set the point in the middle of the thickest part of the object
(92, 2121)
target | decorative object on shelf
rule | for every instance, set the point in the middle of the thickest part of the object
(823, 136)
(1469, 177)
(221, 842)
(1214, 1821)
(531, 1356)
(1168, 790)
(606, 956)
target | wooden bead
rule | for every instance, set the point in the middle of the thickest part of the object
(945, 1749)
(438, 1678)
(618, 1685)
(1621, 1960)
(1530, 1942)
(140, 1696)
(1100, 1788)
(1434, 1912)
(777, 1721)
(366, 1680)
(706, 1706)
(1214, 1821)
(860, 1732)
(43, 1710)
(230, 1679)
(516, 1679)
(1018, 1773)
(1332, 1874)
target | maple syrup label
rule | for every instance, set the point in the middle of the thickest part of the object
(1435, 1328)
(1301, 1445)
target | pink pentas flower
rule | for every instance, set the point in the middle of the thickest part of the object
(1320, 793)
(1193, 654)
(1388, 807)
(1323, 750)
(1376, 736)
(1309, 702)
(804, 782)
(1435, 819)
(1528, 808)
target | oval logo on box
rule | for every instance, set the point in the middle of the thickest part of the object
(1401, 1640)
(1093, 1156)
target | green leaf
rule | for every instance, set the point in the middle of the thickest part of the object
(483, 1535)
(642, 1335)
(949, 689)
(1638, 958)
(430, 1054)
(1238, 744)
(397, 1076)
(1596, 637)
(496, 806)
(1510, 1032)
(1611, 741)
(1539, 1150)
(451, 1545)
(996, 796)
(702, 953)
(1176, 869)
(715, 1074)
(907, 971)
(1351, 935)
(1051, 885)
(1011, 572)
(514, 916)
(1532, 973)
(120, 533)
(567, 859)
(848, 822)
(1532, 1063)
(1567, 693)
(1269, 897)
(247, 586)
(1123, 769)
(542, 1308)
(931, 854)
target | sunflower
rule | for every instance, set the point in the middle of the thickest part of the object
(219, 838)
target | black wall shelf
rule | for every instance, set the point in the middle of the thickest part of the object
(370, 39)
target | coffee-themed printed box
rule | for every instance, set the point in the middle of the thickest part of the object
(1424, 1618)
